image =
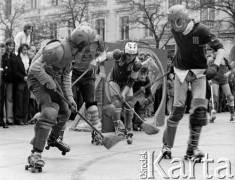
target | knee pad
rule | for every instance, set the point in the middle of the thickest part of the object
(49, 113)
(176, 114)
(230, 100)
(93, 111)
(198, 116)
(64, 116)
(116, 102)
(129, 105)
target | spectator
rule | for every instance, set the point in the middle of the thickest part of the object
(23, 36)
(22, 91)
(2, 51)
(9, 60)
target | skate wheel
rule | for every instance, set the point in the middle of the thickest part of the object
(40, 169)
(47, 147)
(26, 167)
(63, 153)
(129, 141)
(33, 170)
(92, 141)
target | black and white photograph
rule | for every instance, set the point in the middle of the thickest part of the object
(117, 89)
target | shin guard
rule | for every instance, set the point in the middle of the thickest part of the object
(172, 123)
(198, 118)
(47, 119)
(128, 116)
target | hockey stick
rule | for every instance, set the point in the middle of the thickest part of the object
(213, 111)
(151, 83)
(147, 127)
(107, 141)
(80, 77)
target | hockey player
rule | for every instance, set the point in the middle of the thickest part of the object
(49, 73)
(221, 79)
(190, 66)
(124, 73)
(91, 57)
(143, 99)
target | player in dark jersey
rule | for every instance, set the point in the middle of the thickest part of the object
(125, 71)
(190, 66)
(92, 55)
(221, 79)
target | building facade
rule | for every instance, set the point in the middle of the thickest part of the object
(110, 18)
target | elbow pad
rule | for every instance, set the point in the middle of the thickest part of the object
(137, 66)
(117, 54)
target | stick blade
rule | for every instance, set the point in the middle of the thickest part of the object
(111, 140)
(149, 128)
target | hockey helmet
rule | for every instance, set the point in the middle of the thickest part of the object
(82, 36)
(131, 48)
(178, 17)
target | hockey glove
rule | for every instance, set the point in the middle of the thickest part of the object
(211, 71)
(73, 103)
(51, 85)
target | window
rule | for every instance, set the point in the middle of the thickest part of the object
(174, 2)
(124, 27)
(53, 30)
(33, 4)
(8, 8)
(100, 28)
(54, 2)
(148, 32)
(207, 14)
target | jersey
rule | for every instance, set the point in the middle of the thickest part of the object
(88, 55)
(191, 48)
(54, 61)
(121, 72)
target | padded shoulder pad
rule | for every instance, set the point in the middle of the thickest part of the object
(53, 52)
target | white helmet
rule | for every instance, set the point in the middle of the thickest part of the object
(131, 48)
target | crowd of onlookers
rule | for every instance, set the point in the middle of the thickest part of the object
(17, 105)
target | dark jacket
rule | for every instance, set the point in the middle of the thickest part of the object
(20, 72)
(9, 64)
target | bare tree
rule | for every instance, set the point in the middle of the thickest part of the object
(73, 12)
(225, 6)
(42, 30)
(150, 15)
(10, 17)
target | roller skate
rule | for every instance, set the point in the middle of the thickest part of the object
(195, 155)
(128, 135)
(52, 142)
(213, 116)
(166, 152)
(96, 138)
(35, 162)
(232, 119)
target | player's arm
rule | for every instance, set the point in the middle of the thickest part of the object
(114, 55)
(66, 81)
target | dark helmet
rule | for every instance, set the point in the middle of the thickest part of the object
(83, 35)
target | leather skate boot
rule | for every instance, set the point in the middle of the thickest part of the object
(57, 142)
(194, 154)
(35, 162)
(119, 128)
(166, 152)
